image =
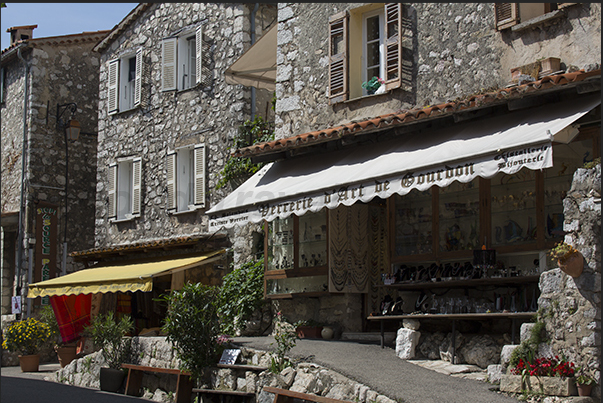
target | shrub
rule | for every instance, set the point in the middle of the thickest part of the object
(109, 334)
(192, 326)
(285, 337)
(26, 336)
(242, 292)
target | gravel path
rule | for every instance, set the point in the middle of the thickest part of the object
(385, 373)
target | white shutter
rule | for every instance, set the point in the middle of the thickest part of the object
(168, 64)
(136, 185)
(171, 180)
(113, 95)
(138, 78)
(199, 175)
(111, 189)
(198, 54)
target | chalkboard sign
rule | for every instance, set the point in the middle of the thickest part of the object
(229, 356)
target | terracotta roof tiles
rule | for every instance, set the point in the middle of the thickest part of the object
(414, 115)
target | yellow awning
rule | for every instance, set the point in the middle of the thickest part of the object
(129, 277)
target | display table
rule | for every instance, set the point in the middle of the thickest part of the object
(514, 316)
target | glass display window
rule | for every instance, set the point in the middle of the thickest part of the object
(413, 215)
(280, 248)
(313, 239)
(458, 212)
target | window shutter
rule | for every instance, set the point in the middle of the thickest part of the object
(111, 188)
(393, 45)
(506, 15)
(171, 180)
(338, 57)
(136, 185)
(138, 78)
(199, 175)
(112, 101)
(168, 64)
(198, 54)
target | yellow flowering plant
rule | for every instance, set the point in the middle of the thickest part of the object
(26, 336)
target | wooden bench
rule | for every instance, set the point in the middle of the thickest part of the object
(184, 386)
(287, 396)
(226, 396)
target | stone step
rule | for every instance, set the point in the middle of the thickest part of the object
(369, 337)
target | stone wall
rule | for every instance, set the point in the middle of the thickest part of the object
(209, 113)
(572, 306)
(156, 351)
(453, 50)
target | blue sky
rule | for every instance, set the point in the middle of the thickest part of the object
(54, 19)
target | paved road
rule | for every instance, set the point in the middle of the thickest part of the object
(385, 373)
(30, 387)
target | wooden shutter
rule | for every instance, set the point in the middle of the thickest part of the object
(199, 173)
(199, 55)
(393, 45)
(506, 15)
(138, 79)
(113, 93)
(136, 185)
(171, 180)
(338, 57)
(112, 190)
(168, 64)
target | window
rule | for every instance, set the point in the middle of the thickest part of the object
(186, 178)
(510, 14)
(181, 61)
(379, 29)
(125, 83)
(125, 189)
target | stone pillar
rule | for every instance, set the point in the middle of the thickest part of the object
(408, 339)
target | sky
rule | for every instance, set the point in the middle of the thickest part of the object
(55, 19)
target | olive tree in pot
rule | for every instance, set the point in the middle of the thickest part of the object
(109, 334)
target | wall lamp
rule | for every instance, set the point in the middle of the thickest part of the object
(72, 126)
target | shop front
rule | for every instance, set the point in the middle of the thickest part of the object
(446, 214)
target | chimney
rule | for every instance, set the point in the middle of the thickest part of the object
(22, 33)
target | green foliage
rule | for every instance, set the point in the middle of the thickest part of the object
(593, 163)
(192, 326)
(562, 250)
(242, 292)
(26, 336)
(527, 350)
(250, 132)
(109, 334)
(285, 337)
(583, 377)
(47, 316)
(373, 84)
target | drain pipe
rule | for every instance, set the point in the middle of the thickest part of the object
(255, 10)
(22, 199)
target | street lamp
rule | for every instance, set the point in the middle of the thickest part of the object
(71, 131)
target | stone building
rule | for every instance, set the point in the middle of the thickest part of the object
(473, 97)
(167, 117)
(45, 83)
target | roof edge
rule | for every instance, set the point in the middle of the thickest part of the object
(121, 26)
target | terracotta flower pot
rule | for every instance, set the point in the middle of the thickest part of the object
(66, 354)
(309, 332)
(572, 264)
(29, 363)
(584, 390)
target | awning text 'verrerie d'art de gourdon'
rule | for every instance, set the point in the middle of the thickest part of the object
(521, 139)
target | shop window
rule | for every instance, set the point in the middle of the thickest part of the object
(124, 189)
(296, 254)
(414, 215)
(125, 83)
(186, 178)
(379, 29)
(181, 61)
(510, 14)
(458, 212)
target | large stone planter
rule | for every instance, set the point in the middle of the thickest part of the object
(547, 385)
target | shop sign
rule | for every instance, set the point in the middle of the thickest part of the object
(508, 161)
(45, 262)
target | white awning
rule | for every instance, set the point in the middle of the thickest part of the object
(257, 67)
(507, 143)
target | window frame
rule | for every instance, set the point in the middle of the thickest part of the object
(176, 48)
(193, 198)
(118, 72)
(507, 15)
(365, 16)
(124, 180)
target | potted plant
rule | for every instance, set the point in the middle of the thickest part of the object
(26, 337)
(570, 260)
(308, 329)
(66, 352)
(109, 334)
(373, 85)
(584, 382)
